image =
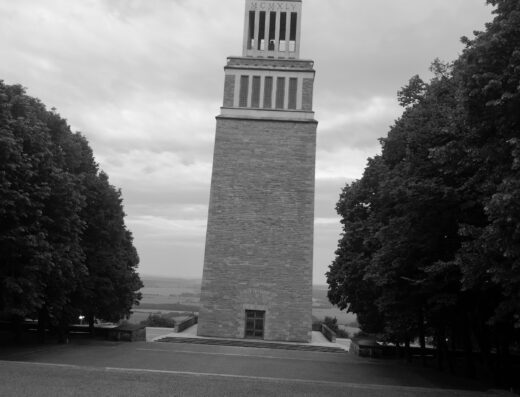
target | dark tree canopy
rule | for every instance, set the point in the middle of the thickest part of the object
(431, 232)
(64, 247)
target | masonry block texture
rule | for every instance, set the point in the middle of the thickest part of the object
(308, 91)
(229, 90)
(260, 229)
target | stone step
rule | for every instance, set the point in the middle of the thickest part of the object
(251, 343)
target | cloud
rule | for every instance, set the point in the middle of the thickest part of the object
(326, 236)
(357, 124)
(169, 229)
(373, 48)
(143, 80)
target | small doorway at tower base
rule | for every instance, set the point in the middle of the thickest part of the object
(255, 322)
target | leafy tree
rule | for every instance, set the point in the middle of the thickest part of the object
(483, 161)
(25, 152)
(112, 287)
(490, 81)
(56, 210)
(431, 239)
(348, 287)
(41, 227)
(332, 323)
(407, 216)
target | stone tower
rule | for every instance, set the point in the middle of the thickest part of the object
(257, 280)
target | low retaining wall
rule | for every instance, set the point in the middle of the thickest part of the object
(128, 333)
(186, 324)
(366, 348)
(328, 333)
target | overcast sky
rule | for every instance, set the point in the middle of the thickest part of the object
(143, 81)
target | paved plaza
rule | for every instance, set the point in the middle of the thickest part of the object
(101, 368)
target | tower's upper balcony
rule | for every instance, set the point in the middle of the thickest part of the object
(272, 29)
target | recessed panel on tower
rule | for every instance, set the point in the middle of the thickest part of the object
(257, 280)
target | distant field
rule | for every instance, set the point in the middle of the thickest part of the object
(169, 299)
(173, 294)
(169, 306)
(343, 317)
(169, 291)
(138, 316)
(166, 291)
(169, 282)
(142, 314)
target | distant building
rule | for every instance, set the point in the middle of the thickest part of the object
(257, 280)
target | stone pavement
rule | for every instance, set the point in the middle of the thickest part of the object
(318, 342)
(98, 368)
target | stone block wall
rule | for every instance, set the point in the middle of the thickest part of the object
(308, 90)
(260, 229)
(229, 90)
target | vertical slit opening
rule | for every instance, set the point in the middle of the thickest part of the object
(283, 23)
(261, 31)
(268, 92)
(280, 92)
(244, 91)
(293, 90)
(292, 35)
(255, 94)
(251, 33)
(272, 30)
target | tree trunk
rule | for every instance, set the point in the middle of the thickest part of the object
(91, 322)
(17, 329)
(440, 337)
(407, 350)
(504, 374)
(468, 349)
(449, 355)
(482, 335)
(398, 350)
(42, 324)
(63, 332)
(422, 338)
(445, 352)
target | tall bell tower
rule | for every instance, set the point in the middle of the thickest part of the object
(257, 280)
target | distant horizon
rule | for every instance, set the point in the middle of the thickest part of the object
(150, 276)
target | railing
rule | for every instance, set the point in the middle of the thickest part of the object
(181, 326)
(328, 333)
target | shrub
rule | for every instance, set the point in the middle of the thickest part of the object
(341, 333)
(332, 323)
(156, 320)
